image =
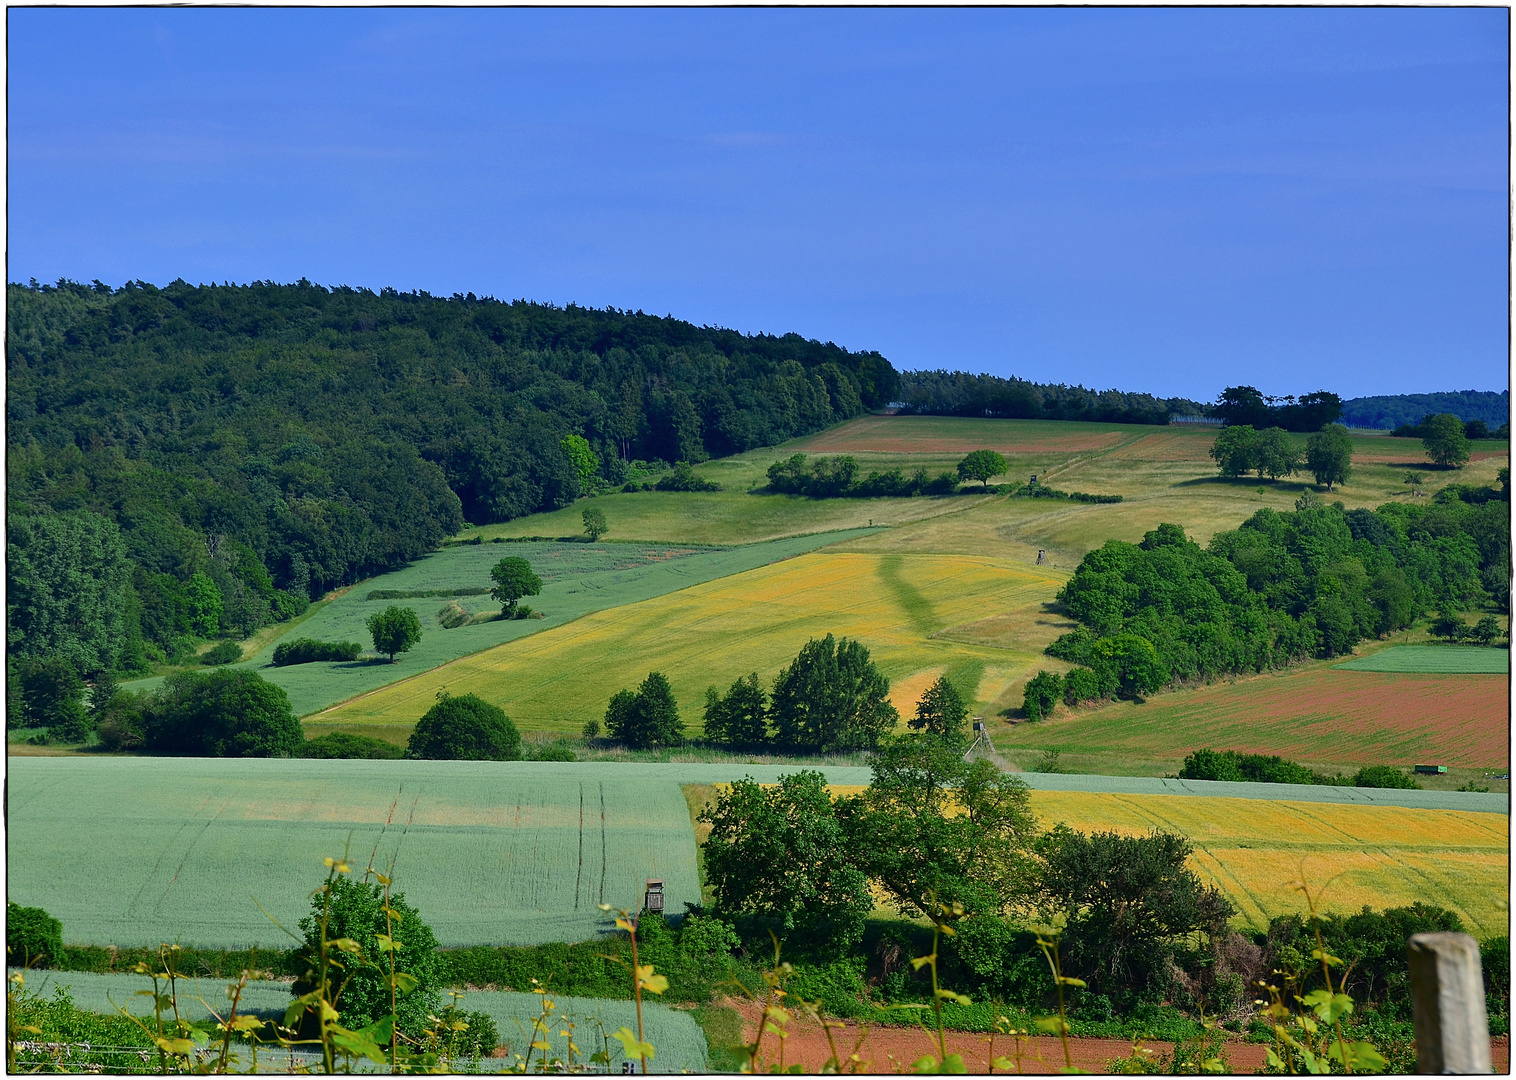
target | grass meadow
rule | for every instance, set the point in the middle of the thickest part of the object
(911, 611)
(577, 579)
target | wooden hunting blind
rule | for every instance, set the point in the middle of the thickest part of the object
(652, 900)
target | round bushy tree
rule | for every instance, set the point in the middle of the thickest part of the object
(357, 913)
(32, 937)
(513, 579)
(395, 630)
(981, 465)
(225, 713)
(1383, 776)
(465, 728)
(1041, 695)
(941, 711)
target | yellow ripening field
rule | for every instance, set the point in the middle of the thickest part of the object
(1377, 855)
(1255, 849)
(711, 634)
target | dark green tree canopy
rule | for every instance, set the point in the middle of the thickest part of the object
(741, 717)
(394, 630)
(67, 583)
(778, 855)
(465, 728)
(514, 579)
(1329, 455)
(225, 713)
(941, 712)
(1235, 449)
(1042, 694)
(357, 913)
(981, 465)
(831, 697)
(1445, 440)
(648, 718)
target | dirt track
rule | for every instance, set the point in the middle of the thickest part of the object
(892, 1050)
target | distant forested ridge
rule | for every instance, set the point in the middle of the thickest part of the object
(958, 393)
(195, 461)
(1391, 411)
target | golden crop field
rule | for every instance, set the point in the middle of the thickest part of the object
(1254, 849)
(711, 634)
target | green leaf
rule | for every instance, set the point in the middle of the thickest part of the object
(1053, 1025)
(953, 1064)
(921, 962)
(634, 1049)
(924, 1066)
(358, 1044)
(949, 995)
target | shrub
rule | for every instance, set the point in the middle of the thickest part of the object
(309, 651)
(684, 478)
(591, 729)
(554, 751)
(32, 937)
(1384, 776)
(221, 714)
(465, 728)
(1081, 685)
(1041, 695)
(225, 652)
(357, 913)
(341, 744)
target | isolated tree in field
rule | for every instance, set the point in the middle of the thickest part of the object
(831, 697)
(646, 719)
(394, 630)
(513, 579)
(741, 717)
(465, 728)
(1445, 441)
(779, 855)
(1275, 454)
(594, 523)
(1487, 630)
(1041, 695)
(225, 713)
(941, 712)
(585, 461)
(1234, 449)
(981, 465)
(1415, 479)
(1329, 455)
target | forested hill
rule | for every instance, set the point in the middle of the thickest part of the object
(1393, 410)
(959, 393)
(277, 440)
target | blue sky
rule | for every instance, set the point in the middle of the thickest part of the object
(1164, 200)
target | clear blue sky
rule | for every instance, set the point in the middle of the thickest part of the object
(1163, 200)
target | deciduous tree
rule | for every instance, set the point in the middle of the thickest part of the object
(981, 465)
(594, 522)
(1329, 455)
(941, 711)
(741, 717)
(465, 728)
(1445, 441)
(394, 630)
(831, 697)
(1234, 450)
(513, 579)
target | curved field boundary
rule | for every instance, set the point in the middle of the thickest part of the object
(1478, 802)
(1434, 660)
(578, 579)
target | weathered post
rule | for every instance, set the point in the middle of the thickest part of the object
(1447, 1003)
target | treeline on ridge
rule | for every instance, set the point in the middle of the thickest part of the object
(959, 393)
(1281, 587)
(192, 462)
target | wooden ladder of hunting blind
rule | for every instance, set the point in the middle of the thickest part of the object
(981, 739)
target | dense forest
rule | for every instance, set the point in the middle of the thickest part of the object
(200, 460)
(1393, 410)
(958, 393)
(1283, 586)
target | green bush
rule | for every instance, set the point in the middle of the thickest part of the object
(554, 751)
(1041, 694)
(1384, 776)
(357, 912)
(465, 728)
(32, 937)
(341, 744)
(221, 714)
(224, 652)
(309, 651)
(1080, 685)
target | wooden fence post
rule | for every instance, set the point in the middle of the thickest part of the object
(1447, 1002)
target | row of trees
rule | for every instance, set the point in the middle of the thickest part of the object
(1283, 586)
(935, 834)
(837, 477)
(959, 393)
(1240, 405)
(1271, 452)
(830, 698)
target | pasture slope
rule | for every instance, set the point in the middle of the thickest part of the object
(678, 1040)
(577, 579)
(521, 852)
(714, 633)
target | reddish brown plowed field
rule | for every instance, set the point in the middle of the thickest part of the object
(1320, 715)
(930, 435)
(892, 1049)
